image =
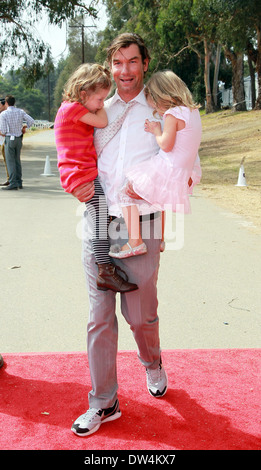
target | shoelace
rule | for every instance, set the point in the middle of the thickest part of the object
(154, 375)
(90, 414)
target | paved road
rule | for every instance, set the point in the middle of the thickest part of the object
(209, 288)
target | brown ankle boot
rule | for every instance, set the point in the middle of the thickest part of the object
(108, 278)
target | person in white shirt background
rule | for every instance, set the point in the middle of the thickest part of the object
(12, 123)
(2, 143)
(128, 58)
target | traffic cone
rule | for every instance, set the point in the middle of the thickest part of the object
(47, 167)
(241, 176)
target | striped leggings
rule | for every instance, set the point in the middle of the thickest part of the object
(98, 210)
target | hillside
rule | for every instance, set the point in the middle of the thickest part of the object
(227, 138)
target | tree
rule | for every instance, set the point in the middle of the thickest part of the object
(74, 59)
(206, 15)
(233, 36)
(189, 27)
(17, 20)
(119, 13)
(31, 100)
(251, 21)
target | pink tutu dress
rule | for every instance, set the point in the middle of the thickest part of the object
(163, 179)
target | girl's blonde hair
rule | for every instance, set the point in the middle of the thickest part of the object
(167, 90)
(87, 77)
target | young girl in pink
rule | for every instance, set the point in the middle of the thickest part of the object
(81, 111)
(168, 177)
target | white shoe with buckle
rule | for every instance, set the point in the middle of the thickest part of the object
(117, 252)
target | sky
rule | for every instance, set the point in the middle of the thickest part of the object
(56, 36)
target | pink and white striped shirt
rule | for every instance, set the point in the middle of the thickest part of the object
(77, 158)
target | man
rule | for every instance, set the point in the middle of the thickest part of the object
(129, 60)
(2, 141)
(11, 125)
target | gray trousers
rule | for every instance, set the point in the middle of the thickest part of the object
(139, 309)
(13, 160)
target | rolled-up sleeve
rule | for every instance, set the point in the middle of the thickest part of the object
(28, 119)
(3, 125)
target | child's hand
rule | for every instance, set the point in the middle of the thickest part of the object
(153, 127)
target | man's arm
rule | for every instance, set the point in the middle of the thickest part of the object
(130, 192)
(28, 119)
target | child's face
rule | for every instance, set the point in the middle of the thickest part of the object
(95, 101)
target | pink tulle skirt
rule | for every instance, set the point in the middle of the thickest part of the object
(158, 182)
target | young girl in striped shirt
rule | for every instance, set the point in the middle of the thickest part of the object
(81, 111)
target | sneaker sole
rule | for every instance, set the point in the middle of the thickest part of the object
(93, 430)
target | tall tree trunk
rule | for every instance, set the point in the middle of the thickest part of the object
(258, 68)
(252, 81)
(215, 80)
(252, 54)
(209, 103)
(236, 59)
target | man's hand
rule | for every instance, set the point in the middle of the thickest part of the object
(84, 192)
(130, 192)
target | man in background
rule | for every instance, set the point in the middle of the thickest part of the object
(12, 122)
(2, 142)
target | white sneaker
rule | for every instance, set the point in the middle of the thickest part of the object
(157, 381)
(89, 422)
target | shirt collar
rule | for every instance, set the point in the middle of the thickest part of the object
(140, 98)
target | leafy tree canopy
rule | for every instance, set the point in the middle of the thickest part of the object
(18, 18)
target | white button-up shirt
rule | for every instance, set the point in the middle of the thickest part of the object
(130, 146)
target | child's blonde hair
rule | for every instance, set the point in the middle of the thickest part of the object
(167, 90)
(87, 77)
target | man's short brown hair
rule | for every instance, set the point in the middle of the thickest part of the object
(125, 40)
(10, 100)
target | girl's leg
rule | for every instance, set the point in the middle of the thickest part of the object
(132, 219)
(135, 245)
(97, 208)
(162, 245)
(108, 277)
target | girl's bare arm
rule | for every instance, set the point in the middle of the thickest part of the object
(98, 119)
(165, 138)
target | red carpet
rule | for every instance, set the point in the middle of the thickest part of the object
(213, 402)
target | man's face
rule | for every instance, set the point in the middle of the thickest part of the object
(128, 70)
(2, 107)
